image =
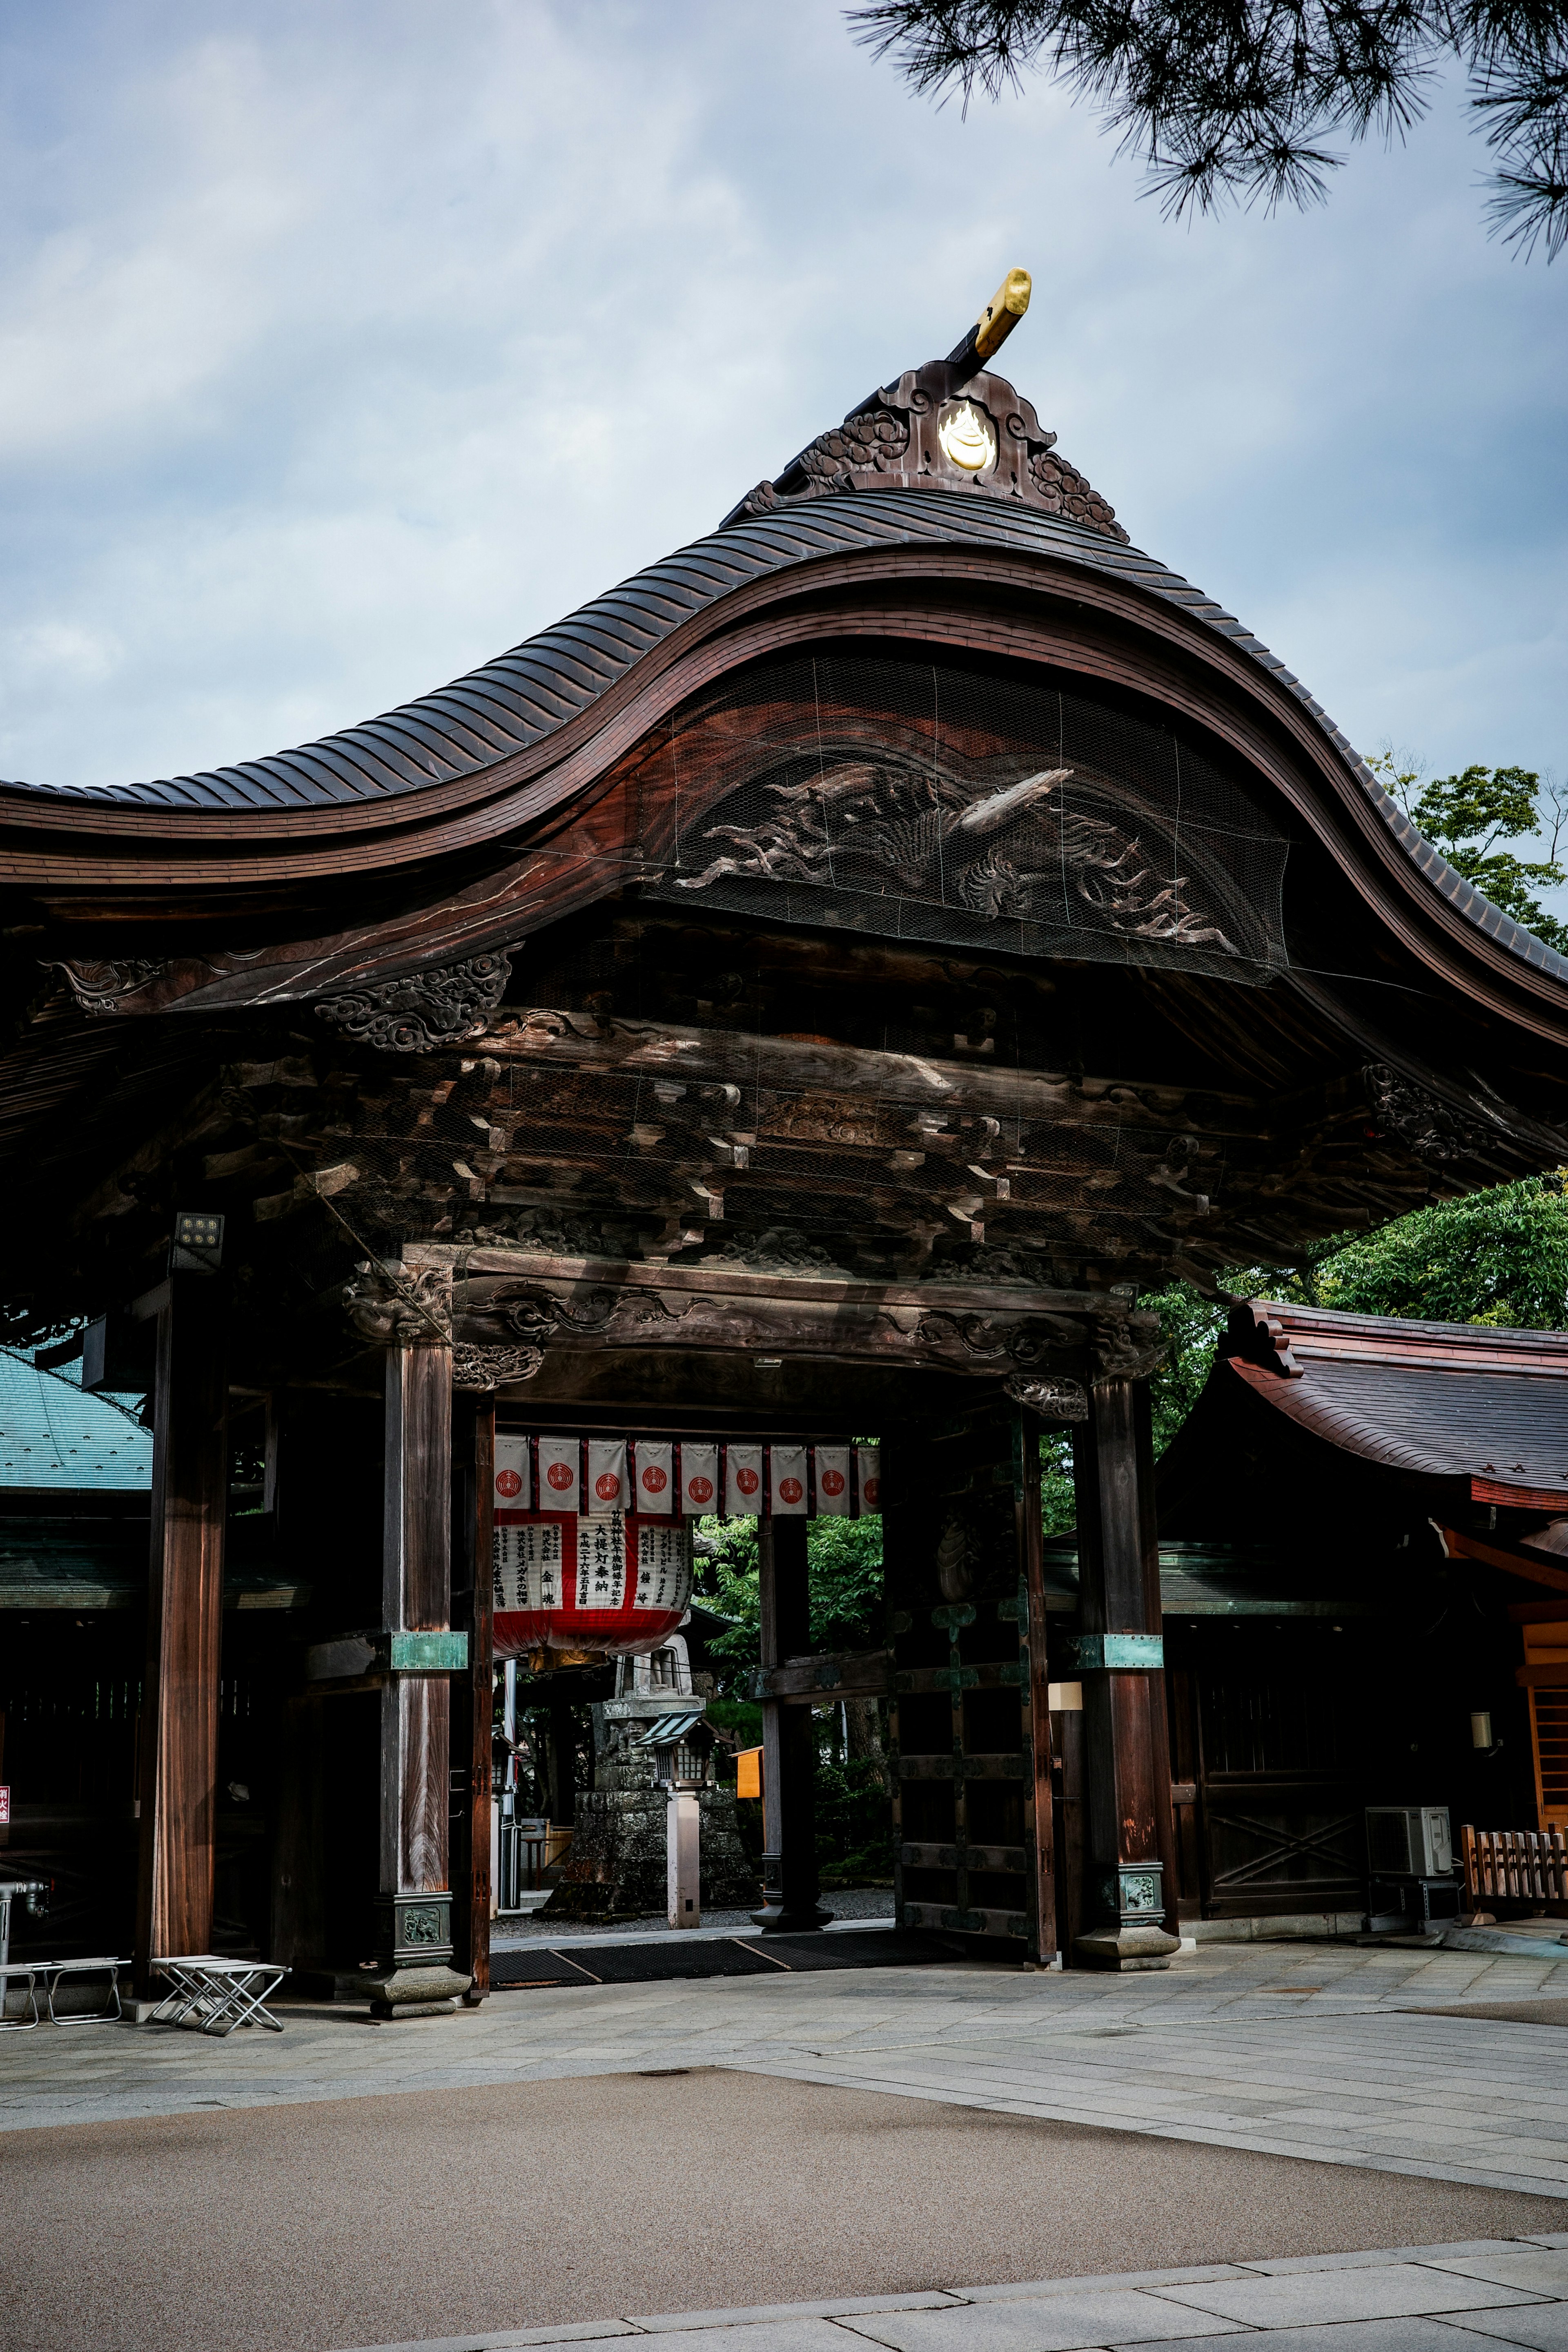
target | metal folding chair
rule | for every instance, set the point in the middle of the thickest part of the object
(217, 1993)
(53, 1970)
(31, 1969)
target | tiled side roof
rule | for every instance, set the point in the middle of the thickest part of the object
(1441, 1400)
(510, 704)
(51, 1434)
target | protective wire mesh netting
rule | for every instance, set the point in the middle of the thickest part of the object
(922, 801)
(663, 1089)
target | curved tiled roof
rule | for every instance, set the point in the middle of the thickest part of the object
(1440, 1399)
(523, 696)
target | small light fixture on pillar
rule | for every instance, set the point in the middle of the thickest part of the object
(198, 1243)
(1481, 1739)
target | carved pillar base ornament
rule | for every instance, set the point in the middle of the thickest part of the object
(413, 1976)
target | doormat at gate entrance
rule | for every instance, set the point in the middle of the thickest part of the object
(733, 1956)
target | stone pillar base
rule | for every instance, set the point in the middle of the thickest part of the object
(782, 1919)
(432, 1990)
(1126, 1948)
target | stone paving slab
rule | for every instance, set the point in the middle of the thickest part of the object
(1385, 2068)
(1435, 2298)
(1061, 2322)
(1312, 2298)
(1539, 2270)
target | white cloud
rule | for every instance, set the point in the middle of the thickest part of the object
(340, 348)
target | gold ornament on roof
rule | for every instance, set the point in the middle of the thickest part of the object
(968, 438)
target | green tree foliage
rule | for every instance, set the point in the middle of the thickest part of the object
(1469, 816)
(1497, 1257)
(1235, 98)
(845, 1568)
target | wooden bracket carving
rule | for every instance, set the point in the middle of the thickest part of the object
(1053, 1398)
(439, 1004)
(400, 1306)
(1128, 1347)
(483, 1369)
(1428, 1128)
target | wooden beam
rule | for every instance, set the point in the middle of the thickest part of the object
(826, 1677)
(179, 1758)
(413, 1975)
(1535, 1571)
(1131, 1837)
(473, 1523)
(1040, 1832)
(789, 1741)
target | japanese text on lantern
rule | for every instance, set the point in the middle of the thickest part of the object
(601, 1562)
(663, 1566)
(528, 1561)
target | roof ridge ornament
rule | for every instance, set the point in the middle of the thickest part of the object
(948, 425)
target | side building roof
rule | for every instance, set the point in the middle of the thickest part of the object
(1450, 1400)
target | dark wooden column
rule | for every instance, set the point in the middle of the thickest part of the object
(473, 1693)
(788, 1739)
(179, 1760)
(1040, 1836)
(414, 1949)
(1120, 1661)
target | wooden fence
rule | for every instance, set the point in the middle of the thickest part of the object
(1513, 1866)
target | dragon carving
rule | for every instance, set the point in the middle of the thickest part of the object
(873, 826)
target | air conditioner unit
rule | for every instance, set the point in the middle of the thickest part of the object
(1408, 1841)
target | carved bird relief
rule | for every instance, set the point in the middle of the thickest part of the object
(910, 830)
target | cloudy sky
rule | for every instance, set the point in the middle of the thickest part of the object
(345, 342)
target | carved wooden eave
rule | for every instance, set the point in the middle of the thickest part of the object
(507, 1299)
(522, 769)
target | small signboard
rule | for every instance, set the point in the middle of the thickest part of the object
(5, 1805)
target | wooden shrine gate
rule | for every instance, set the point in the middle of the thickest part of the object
(820, 985)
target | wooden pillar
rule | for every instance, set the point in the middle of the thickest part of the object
(1120, 1661)
(473, 1691)
(413, 1949)
(1040, 1837)
(788, 1752)
(179, 1760)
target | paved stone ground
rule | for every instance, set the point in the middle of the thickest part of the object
(1347, 2055)
(553, 2205)
(1468, 2297)
(260, 2193)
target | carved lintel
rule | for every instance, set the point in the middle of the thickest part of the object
(439, 1004)
(1428, 1127)
(483, 1369)
(400, 1306)
(639, 1312)
(1053, 1397)
(99, 987)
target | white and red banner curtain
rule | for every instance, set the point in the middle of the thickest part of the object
(680, 1479)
